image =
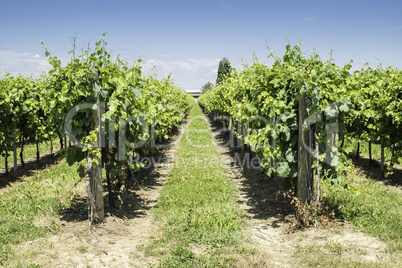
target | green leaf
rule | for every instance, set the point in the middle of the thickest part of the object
(96, 87)
(331, 111)
(103, 93)
(344, 105)
(335, 161)
(283, 169)
(137, 92)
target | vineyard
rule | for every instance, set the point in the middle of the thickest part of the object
(305, 120)
(262, 106)
(132, 109)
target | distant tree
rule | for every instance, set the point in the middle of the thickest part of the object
(224, 70)
(207, 87)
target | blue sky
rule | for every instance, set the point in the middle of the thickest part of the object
(188, 38)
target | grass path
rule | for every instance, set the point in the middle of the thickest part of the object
(201, 220)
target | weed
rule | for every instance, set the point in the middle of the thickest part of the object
(246, 250)
(330, 255)
(334, 247)
(314, 213)
(82, 249)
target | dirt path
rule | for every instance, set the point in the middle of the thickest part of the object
(120, 240)
(270, 217)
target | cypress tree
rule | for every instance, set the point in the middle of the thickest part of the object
(224, 70)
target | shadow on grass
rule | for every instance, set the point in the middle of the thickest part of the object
(371, 169)
(29, 169)
(264, 195)
(135, 204)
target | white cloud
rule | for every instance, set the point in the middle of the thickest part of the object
(19, 62)
(397, 28)
(190, 73)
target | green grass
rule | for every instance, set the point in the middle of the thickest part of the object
(29, 210)
(333, 254)
(351, 146)
(371, 206)
(29, 151)
(197, 207)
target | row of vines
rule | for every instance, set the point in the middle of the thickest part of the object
(135, 110)
(262, 105)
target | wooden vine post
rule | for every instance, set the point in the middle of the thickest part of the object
(382, 160)
(232, 142)
(6, 155)
(93, 174)
(15, 155)
(303, 156)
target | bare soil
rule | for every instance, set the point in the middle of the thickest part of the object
(270, 216)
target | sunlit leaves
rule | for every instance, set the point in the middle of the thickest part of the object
(272, 94)
(38, 108)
